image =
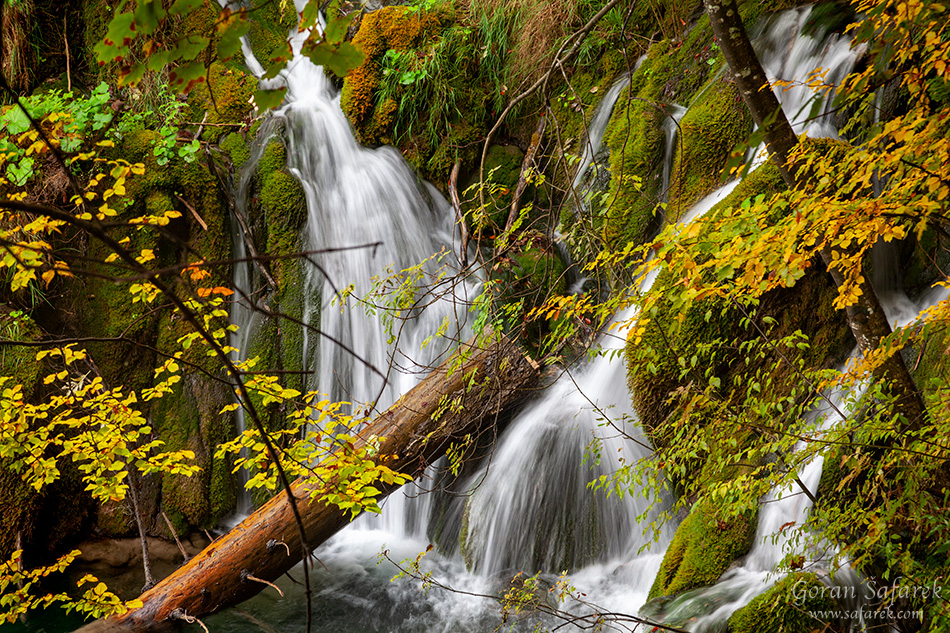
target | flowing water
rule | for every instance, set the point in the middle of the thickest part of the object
(528, 508)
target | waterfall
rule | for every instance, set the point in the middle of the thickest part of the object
(670, 131)
(531, 508)
(595, 134)
(528, 508)
(369, 205)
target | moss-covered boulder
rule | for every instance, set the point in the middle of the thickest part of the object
(269, 28)
(225, 97)
(712, 332)
(531, 271)
(711, 128)
(17, 500)
(789, 606)
(394, 28)
(502, 170)
(189, 417)
(705, 545)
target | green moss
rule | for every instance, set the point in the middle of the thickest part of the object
(95, 17)
(502, 170)
(540, 269)
(226, 96)
(390, 28)
(764, 181)
(270, 24)
(531, 272)
(635, 139)
(786, 607)
(282, 195)
(704, 546)
(190, 418)
(236, 147)
(709, 330)
(19, 362)
(16, 500)
(710, 130)
(273, 158)
(931, 371)
(653, 366)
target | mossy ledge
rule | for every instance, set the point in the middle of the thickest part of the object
(786, 607)
(703, 548)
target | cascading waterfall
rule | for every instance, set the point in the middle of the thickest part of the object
(358, 196)
(595, 135)
(529, 508)
(670, 131)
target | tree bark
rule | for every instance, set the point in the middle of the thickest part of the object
(267, 544)
(866, 317)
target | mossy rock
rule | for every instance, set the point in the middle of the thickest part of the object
(531, 272)
(704, 546)
(190, 418)
(931, 371)
(710, 130)
(502, 170)
(786, 607)
(269, 28)
(17, 501)
(635, 141)
(709, 329)
(17, 361)
(394, 28)
(284, 202)
(236, 147)
(226, 96)
(653, 365)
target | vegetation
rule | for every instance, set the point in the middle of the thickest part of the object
(114, 227)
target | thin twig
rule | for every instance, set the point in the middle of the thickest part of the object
(175, 534)
(247, 576)
(188, 206)
(459, 216)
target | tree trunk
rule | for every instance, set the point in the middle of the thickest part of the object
(267, 544)
(866, 318)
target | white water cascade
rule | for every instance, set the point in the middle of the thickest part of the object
(528, 508)
(358, 196)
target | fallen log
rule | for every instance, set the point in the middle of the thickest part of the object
(417, 429)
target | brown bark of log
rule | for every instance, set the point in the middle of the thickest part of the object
(267, 543)
(866, 317)
(526, 165)
(459, 216)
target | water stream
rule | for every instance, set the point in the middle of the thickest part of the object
(528, 508)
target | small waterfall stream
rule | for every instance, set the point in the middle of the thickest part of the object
(528, 508)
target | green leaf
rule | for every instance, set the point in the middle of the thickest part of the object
(148, 15)
(189, 47)
(336, 29)
(120, 33)
(184, 6)
(131, 75)
(185, 76)
(229, 42)
(267, 99)
(340, 60)
(15, 120)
